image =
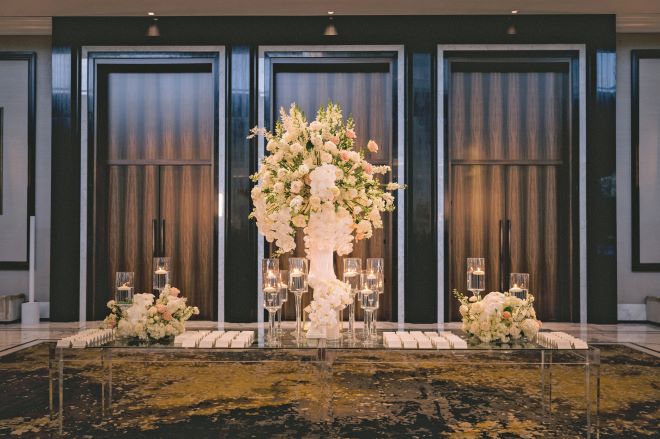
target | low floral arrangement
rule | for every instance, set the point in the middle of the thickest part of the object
(498, 317)
(146, 319)
(316, 168)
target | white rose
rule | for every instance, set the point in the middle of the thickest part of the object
(296, 148)
(314, 201)
(326, 157)
(281, 173)
(271, 146)
(278, 187)
(299, 221)
(303, 169)
(316, 126)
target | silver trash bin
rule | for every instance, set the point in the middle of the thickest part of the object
(10, 307)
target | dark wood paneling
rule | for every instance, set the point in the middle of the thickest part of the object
(511, 122)
(477, 208)
(508, 116)
(366, 93)
(132, 206)
(160, 116)
(187, 206)
(535, 212)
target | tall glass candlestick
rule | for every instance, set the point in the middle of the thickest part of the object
(476, 276)
(298, 272)
(161, 273)
(519, 285)
(351, 275)
(270, 271)
(376, 266)
(284, 290)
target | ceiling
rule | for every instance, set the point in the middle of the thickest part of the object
(34, 15)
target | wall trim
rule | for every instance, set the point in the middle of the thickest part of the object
(582, 160)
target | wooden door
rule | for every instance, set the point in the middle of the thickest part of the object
(155, 160)
(132, 206)
(476, 220)
(509, 141)
(364, 90)
(187, 206)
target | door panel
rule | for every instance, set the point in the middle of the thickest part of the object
(534, 209)
(368, 97)
(132, 206)
(160, 116)
(187, 206)
(478, 203)
(511, 118)
(508, 115)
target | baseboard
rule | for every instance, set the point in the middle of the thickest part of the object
(631, 312)
(44, 310)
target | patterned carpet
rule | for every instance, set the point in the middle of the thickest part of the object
(363, 395)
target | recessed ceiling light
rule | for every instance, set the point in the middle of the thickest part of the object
(151, 13)
(515, 11)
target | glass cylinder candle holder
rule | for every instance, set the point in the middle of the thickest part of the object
(161, 273)
(124, 285)
(376, 266)
(476, 276)
(283, 288)
(351, 275)
(519, 285)
(270, 272)
(298, 272)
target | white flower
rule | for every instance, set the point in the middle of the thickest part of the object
(372, 146)
(278, 187)
(296, 148)
(463, 309)
(296, 202)
(325, 157)
(392, 186)
(271, 146)
(315, 126)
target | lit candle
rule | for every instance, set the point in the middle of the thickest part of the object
(371, 276)
(478, 272)
(350, 273)
(270, 289)
(515, 289)
(124, 287)
(296, 272)
(161, 270)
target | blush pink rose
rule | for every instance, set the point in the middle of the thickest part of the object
(174, 292)
(344, 155)
(372, 146)
(161, 308)
(506, 315)
(350, 134)
(167, 316)
(334, 139)
(367, 167)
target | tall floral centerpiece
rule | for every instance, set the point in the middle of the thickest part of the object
(315, 178)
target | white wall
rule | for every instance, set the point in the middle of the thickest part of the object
(17, 281)
(633, 287)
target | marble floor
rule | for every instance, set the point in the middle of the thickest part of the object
(645, 337)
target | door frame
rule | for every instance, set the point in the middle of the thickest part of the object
(266, 53)
(442, 170)
(87, 73)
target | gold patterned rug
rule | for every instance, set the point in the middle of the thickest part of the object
(279, 395)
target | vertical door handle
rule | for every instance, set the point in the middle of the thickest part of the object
(162, 237)
(502, 253)
(155, 245)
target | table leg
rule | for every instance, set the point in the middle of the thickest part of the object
(60, 385)
(546, 385)
(592, 386)
(51, 378)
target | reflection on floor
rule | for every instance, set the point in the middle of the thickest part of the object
(375, 397)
